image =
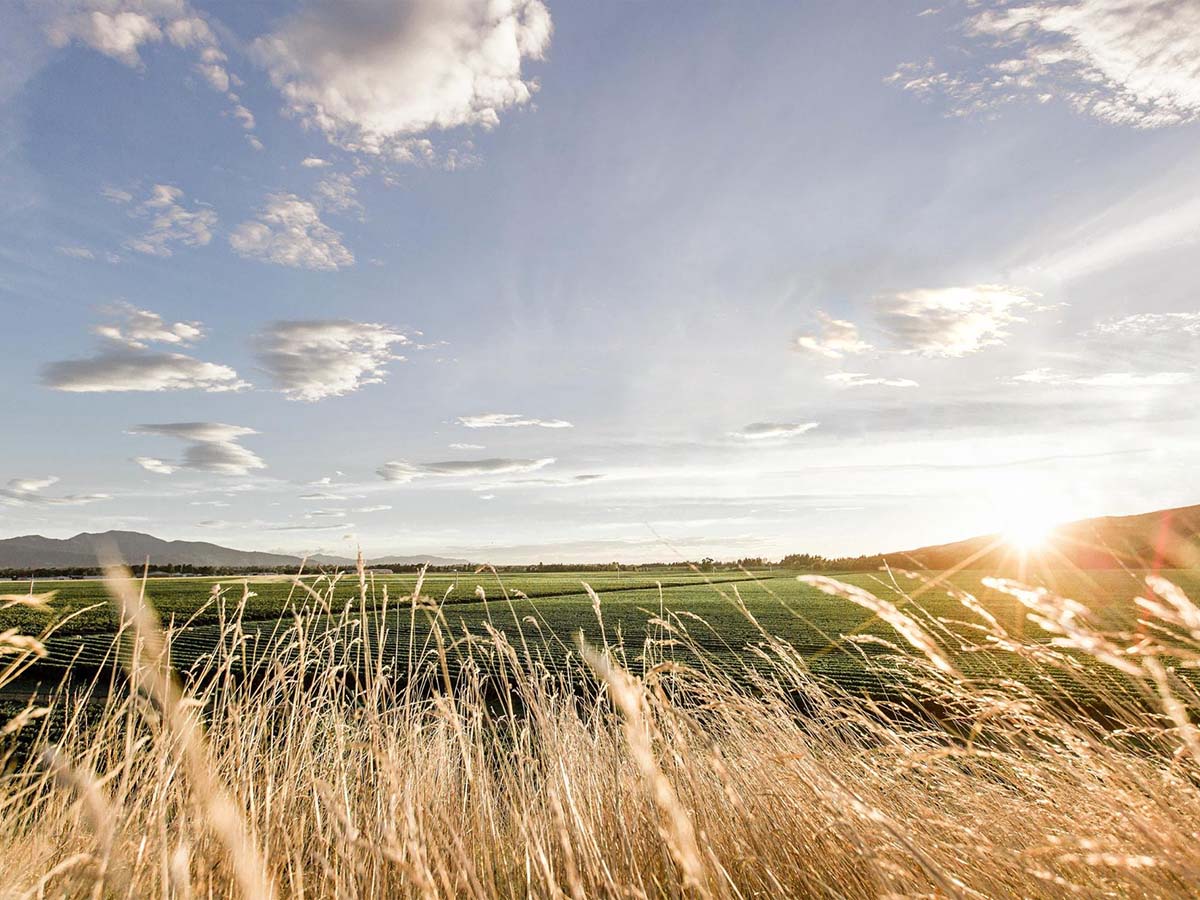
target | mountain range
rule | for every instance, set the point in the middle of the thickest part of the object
(1167, 538)
(81, 551)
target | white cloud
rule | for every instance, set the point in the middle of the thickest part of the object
(862, 379)
(374, 76)
(460, 446)
(171, 222)
(139, 327)
(1151, 325)
(317, 359)
(1127, 62)
(838, 338)
(950, 322)
(130, 370)
(289, 232)
(336, 193)
(23, 491)
(116, 29)
(404, 472)
(211, 447)
(760, 431)
(373, 509)
(120, 28)
(126, 363)
(157, 466)
(314, 162)
(1104, 379)
(510, 420)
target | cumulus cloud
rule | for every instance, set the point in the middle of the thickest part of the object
(950, 322)
(375, 75)
(138, 328)
(211, 447)
(314, 162)
(125, 361)
(405, 472)
(510, 420)
(862, 379)
(336, 193)
(761, 431)
(838, 338)
(311, 360)
(171, 222)
(1104, 379)
(1126, 62)
(289, 232)
(28, 491)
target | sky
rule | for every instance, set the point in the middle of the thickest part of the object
(554, 280)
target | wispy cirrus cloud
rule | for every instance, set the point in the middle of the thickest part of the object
(288, 231)
(125, 361)
(402, 472)
(375, 77)
(1104, 379)
(510, 420)
(1150, 325)
(29, 491)
(211, 447)
(862, 379)
(312, 360)
(1126, 62)
(764, 431)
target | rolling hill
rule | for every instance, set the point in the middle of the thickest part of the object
(1165, 538)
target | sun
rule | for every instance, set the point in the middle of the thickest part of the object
(1027, 514)
(1028, 535)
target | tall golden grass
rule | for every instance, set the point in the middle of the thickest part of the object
(335, 768)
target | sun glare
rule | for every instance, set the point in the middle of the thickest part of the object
(1028, 535)
(1028, 515)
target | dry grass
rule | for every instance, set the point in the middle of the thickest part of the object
(324, 772)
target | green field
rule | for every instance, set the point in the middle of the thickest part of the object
(556, 610)
(85, 603)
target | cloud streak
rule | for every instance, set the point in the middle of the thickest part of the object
(764, 431)
(401, 472)
(510, 420)
(862, 379)
(211, 447)
(28, 491)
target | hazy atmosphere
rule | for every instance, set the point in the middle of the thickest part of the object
(525, 281)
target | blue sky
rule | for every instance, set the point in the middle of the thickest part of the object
(526, 280)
